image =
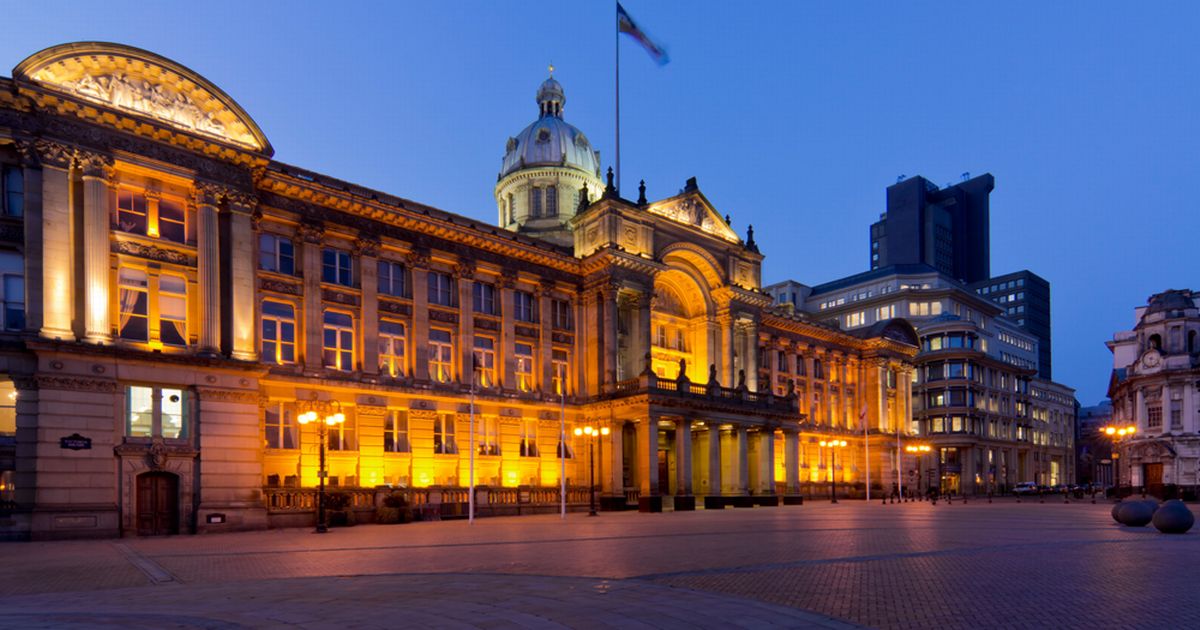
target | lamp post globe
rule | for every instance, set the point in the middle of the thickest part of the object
(325, 414)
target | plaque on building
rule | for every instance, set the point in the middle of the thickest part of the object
(76, 442)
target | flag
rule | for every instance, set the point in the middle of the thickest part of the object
(625, 24)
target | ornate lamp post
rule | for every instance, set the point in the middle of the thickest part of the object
(326, 413)
(919, 450)
(593, 434)
(834, 445)
(1116, 433)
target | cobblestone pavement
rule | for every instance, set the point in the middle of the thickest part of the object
(909, 565)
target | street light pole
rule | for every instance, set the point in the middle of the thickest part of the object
(592, 434)
(833, 445)
(326, 413)
(1116, 434)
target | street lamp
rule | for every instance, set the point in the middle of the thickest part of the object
(1116, 434)
(919, 450)
(835, 445)
(591, 432)
(326, 413)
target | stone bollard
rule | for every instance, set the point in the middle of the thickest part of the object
(1135, 513)
(1173, 517)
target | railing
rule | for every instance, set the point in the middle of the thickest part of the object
(683, 388)
(432, 502)
(632, 495)
(305, 499)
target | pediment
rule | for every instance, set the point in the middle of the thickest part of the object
(693, 210)
(143, 83)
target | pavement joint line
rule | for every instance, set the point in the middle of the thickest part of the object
(153, 570)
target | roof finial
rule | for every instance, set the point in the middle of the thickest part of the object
(610, 190)
(750, 244)
(551, 66)
(642, 193)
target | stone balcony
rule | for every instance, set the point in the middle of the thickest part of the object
(682, 393)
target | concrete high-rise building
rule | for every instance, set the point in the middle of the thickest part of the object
(945, 228)
(1024, 297)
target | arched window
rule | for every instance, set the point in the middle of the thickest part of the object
(1155, 342)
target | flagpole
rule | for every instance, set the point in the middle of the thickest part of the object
(562, 444)
(867, 447)
(617, 49)
(471, 483)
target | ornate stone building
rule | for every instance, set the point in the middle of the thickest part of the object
(1155, 386)
(174, 299)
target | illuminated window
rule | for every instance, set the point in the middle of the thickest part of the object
(393, 279)
(341, 435)
(13, 183)
(155, 412)
(524, 307)
(278, 332)
(561, 363)
(132, 216)
(524, 355)
(484, 296)
(172, 310)
(338, 341)
(441, 356)
(12, 283)
(485, 361)
(280, 425)
(276, 253)
(336, 267)
(172, 221)
(443, 434)
(487, 435)
(441, 289)
(134, 304)
(529, 438)
(395, 432)
(391, 348)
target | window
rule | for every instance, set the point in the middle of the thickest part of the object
(155, 412)
(391, 348)
(524, 306)
(817, 372)
(443, 434)
(441, 352)
(855, 319)
(278, 332)
(172, 310)
(535, 203)
(131, 212)
(280, 425)
(529, 438)
(560, 360)
(1154, 416)
(172, 221)
(551, 201)
(341, 435)
(14, 191)
(134, 304)
(487, 436)
(485, 361)
(12, 274)
(484, 296)
(524, 354)
(393, 279)
(276, 253)
(395, 432)
(336, 267)
(338, 342)
(884, 313)
(441, 289)
(561, 311)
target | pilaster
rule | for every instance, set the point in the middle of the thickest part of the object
(311, 235)
(243, 247)
(209, 268)
(58, 259)
(368, 272)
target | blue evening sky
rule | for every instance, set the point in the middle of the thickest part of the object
(793, 116)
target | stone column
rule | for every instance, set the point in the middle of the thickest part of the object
(418, 266)
(310, 236)
(727, 365)
(743, 462)
(58, 261)
(209, 270)
(714, 459)
(773, 350)
(683, 457)
(647, 447)
(766, 456)
(608, 303)
(368, 274)
(615, 452)
(465, 272)
(32, 212)
(506, 346)
(791, 460)
(241, 256)
(96, 285)
(751, 355)
(645, 333)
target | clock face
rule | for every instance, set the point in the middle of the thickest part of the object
(1151, 359)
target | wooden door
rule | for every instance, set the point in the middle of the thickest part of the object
(157, 504)
(1154, 475)
(664, 473)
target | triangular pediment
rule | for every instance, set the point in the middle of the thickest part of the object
(694, 210)
(140, 82)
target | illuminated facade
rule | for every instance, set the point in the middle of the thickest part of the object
(175, 299)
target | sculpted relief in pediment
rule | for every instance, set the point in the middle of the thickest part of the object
(691, 211)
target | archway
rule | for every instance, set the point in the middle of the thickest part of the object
(680, 326)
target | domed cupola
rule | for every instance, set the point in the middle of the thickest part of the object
(545, 169)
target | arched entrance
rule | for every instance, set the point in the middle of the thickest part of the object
(157, 504)
(681, 324)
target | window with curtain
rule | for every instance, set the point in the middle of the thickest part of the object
(441, 355)
(529, 438)
(133, 298)
(391, 348)
(338, 341)
(172, 310)
(132, 215)
(155, 412)
(443, 434)
(395, 432)
(280, 426)
(278, 332)
(524, 372)
(487, 435)
(561, 363)
(485, 361)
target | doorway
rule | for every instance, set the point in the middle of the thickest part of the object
(1153, 475)
(157, 504)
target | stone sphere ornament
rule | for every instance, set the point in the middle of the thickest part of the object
(1116, 509)
(1135, 513)
(1173, 517)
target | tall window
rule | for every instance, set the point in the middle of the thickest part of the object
(172, 310)
(280, 425)
(12, 283)
(336, 267)
(485, 361)
(551, 201)
(276, 253)
(441, 289)
(395, 432)
(484, 296)
(1154, 416)
(818, 373)
(338, 341)
(529, 438)
(561, 310)
(441, 356)
(13, 184)
(524, 306)
(524, 356)
(131, 212)
(392, 279)
(535, 202)
(278, 332)
(487, 435)
(172, 220)
(560, 359)
(155, 412)
(342, 434)
(443, 434)
(134, 304)
(391, 348)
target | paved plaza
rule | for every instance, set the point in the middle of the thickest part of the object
(1005, 564)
